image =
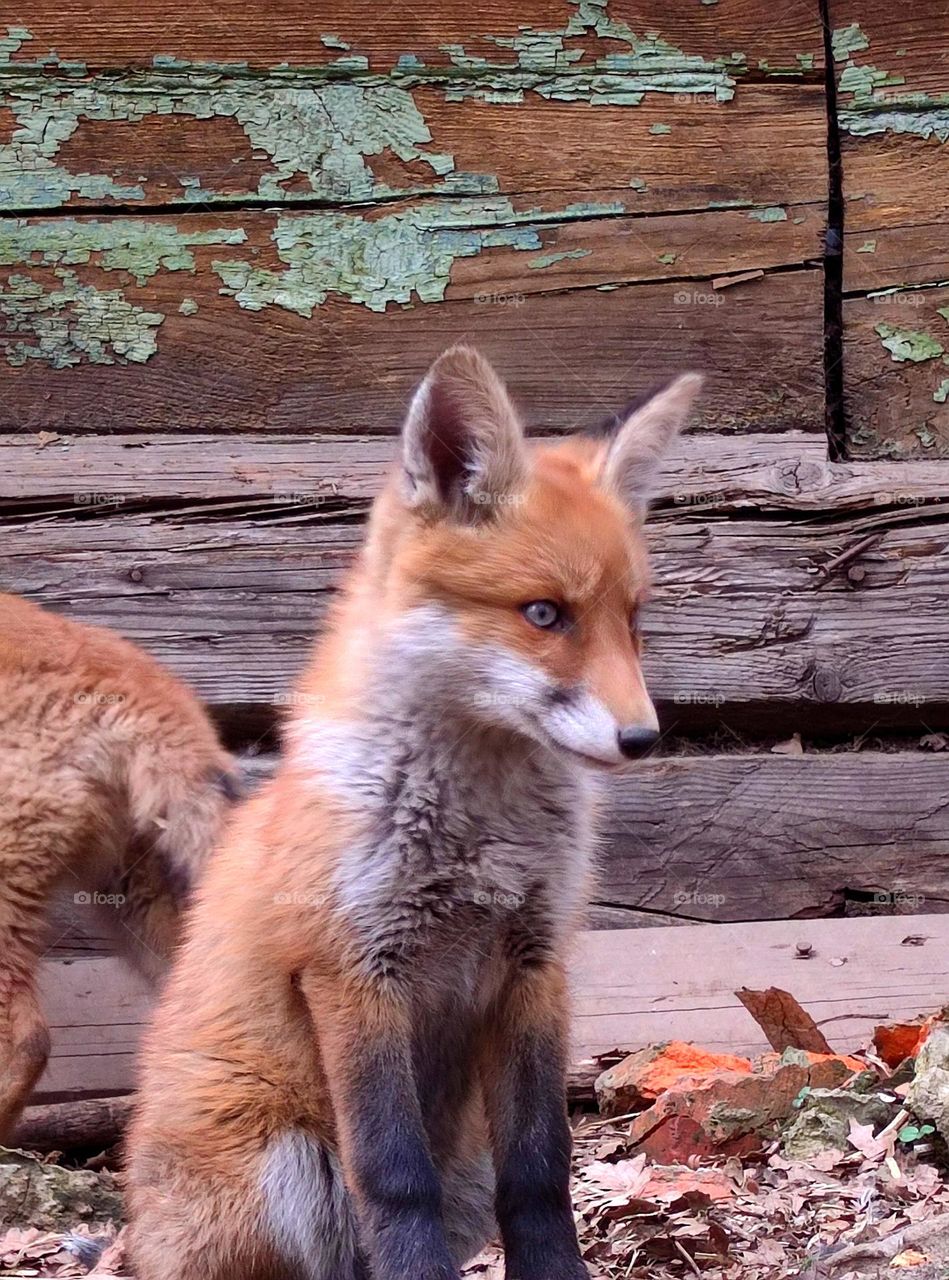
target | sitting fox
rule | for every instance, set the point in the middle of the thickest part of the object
(358, 1065)
(113, 786)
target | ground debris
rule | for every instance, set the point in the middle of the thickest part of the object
(796, 1164)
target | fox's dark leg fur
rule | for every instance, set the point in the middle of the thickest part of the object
(367, 1053)
(525, 1094)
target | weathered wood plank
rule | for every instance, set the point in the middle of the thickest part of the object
(745, 837)
(629, 989)
(129, 351)
(896, 361)
(743, 621)
(97, 1009)
(646, 142)
(290, 31)
(788, 471)
(893, 110)
(637, 988)
(896, 231)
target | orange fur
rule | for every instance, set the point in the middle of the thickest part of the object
(108, 768)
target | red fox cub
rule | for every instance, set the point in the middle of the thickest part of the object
(358, 1065)
(112, 789)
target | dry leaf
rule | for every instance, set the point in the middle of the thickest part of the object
(909, 1258)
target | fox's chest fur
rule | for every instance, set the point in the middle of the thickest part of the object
(476, 847)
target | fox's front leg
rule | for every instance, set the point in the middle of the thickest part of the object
(525, 1094)
(365, 1041)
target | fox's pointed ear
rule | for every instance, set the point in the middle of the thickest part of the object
(462, 444)
(643, 437)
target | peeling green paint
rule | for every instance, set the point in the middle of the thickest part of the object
(371, 262)
(845, 41)
(870, 110)
(941, 394)
(638, 184)
(548, 259)
(397, 258)
(647, 64)
(797, 69)
(13, 42)
(773, 213)
(944, 312)
(310, 124)
(74, 322)
(119, 244)
(325, 133)
(863, 82)
(908, 344)
(660, 128)
(915, 113)
(926, 437)
(868, 246)
(668, 258)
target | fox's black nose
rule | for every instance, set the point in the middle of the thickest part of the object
(636, 741)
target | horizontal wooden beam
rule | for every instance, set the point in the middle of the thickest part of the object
(752, 618)
(763, 836)
(291, 32)
(231, 345)
(629, 989)
(788, 471)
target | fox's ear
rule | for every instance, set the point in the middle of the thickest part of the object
(642, 438)
(462, 444)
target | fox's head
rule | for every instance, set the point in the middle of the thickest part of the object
(512, 575)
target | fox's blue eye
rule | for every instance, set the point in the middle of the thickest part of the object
(544, 614)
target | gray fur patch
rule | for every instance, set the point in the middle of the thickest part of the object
(307, 1208)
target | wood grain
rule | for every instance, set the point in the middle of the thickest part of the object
(897, 400)
(97, 1009)
(629, 989)
(893, 110)
(750, 837)
(190, 151)
(571, 357)
(788, 471)
(897, 212)
(290, 31)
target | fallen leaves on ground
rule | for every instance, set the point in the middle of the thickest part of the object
(768, 1220)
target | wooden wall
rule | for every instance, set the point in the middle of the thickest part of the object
(233, 236)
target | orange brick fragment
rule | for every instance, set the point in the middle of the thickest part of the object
(900, 1040)
(646, 1074)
